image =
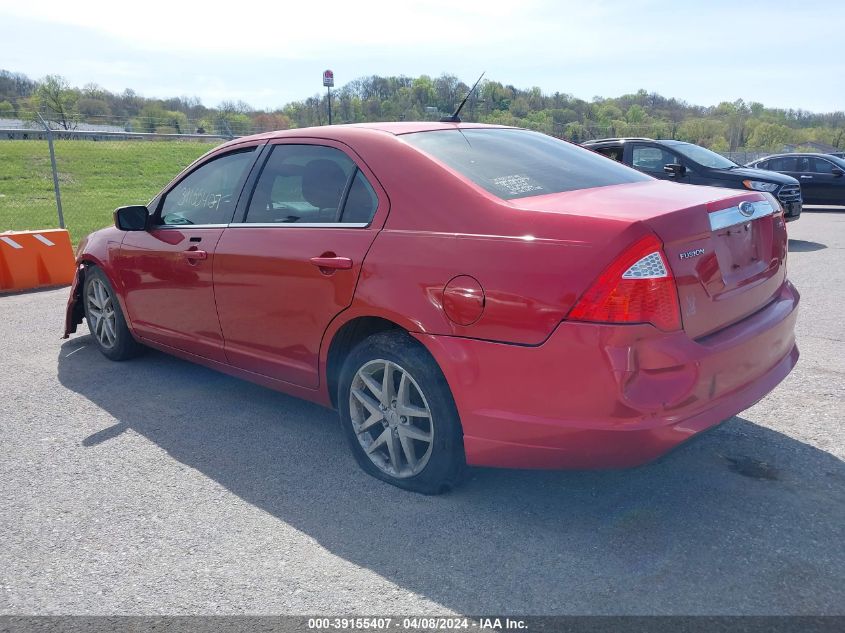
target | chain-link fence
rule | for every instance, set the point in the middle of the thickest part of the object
(96, 173)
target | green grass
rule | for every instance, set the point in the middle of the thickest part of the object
(95, 177)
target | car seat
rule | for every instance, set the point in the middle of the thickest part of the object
(323, 182)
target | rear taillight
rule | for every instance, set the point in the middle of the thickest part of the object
(638, 287)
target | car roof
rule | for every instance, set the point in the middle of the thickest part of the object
(390, 127)
(616, 140)
(409, 127)
(626, 139)
(351, 132)
(814, 154)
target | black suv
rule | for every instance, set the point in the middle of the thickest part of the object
(696, 165)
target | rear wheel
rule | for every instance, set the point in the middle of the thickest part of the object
(399, 416)
(105, 318)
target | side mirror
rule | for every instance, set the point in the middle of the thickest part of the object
(674, 169)
(837, 172)
(131, 218)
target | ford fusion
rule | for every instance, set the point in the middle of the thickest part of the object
(462, 294)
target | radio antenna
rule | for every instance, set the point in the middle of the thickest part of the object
(454, 118)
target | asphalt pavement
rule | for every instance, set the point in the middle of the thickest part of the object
(159, 487)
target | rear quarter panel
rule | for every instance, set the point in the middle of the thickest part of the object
(532, 265)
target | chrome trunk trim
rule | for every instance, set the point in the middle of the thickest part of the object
(733, 216)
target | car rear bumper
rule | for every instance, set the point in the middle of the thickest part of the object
(604, 396)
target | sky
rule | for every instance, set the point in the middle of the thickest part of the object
(783, 54)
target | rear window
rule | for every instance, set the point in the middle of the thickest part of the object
(518, 163)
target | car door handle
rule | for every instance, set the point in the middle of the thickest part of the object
(333, 263)
(195, 255)
(806, 177)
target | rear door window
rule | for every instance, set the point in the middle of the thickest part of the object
(361, 201)
(518, 163)
(311, 184)
(650, 158)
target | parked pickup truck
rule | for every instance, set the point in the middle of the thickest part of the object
(696, 165)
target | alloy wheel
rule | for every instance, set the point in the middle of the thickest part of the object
(101, 313)
(391, 418)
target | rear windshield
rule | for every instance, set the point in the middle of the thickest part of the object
(519, 164)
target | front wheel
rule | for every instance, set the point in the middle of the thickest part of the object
(399, 416)
(105, 318)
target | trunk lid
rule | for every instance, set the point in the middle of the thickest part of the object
(726, 265)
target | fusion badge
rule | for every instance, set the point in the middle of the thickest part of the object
(695, 253)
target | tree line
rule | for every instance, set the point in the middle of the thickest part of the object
(727, 126)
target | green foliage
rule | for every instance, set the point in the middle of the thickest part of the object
(90, 107)
(519, 107)
(57, 101)
(154, 118)
(723, 127)
(702, 131)
(636, 115)
(771, 137)
(15, 88)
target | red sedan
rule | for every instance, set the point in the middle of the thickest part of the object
(462, 294)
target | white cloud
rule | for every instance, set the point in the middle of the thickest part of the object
(291, 29)
(274, 52)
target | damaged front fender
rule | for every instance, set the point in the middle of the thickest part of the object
(75, 311)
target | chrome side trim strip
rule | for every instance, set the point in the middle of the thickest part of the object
(188, 227)
(301, 225)
(732, 215)
(266, 225)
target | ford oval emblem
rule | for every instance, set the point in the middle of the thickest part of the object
(746, 208)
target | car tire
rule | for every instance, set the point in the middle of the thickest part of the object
(105, 318)
(421, 451)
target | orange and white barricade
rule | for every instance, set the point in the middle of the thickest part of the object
(33, 259)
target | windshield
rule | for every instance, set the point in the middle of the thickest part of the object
(519, 164)
(704, 156)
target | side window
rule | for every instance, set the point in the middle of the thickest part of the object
(611, 152)
(763, 164)
(208, 194)
(786, 163)
(361, 202)
(804, 164)
(651, 158)
(821, 166)
(303, 184)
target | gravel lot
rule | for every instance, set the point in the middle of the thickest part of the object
(159, 487)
